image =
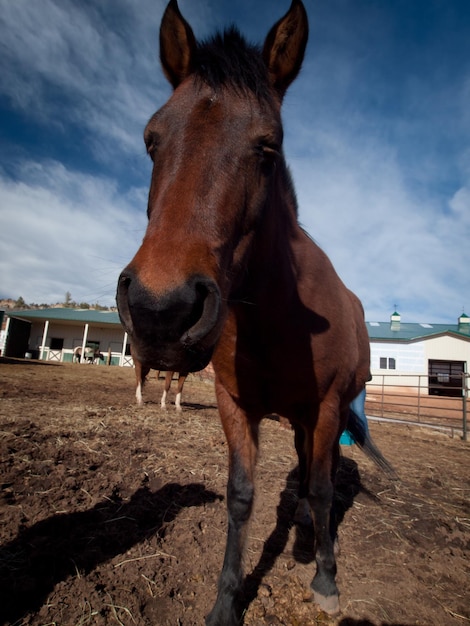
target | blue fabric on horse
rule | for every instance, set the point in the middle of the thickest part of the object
(357, 407)
(358, 429)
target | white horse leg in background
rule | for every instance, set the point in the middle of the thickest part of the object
(140, 377)
(166, 388)
(179, 389)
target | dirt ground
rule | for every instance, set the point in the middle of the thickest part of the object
(114, 514)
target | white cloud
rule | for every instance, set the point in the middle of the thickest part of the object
(66, 231)
(62, 62)
(460, 204)
(388, 243)
(373, 125)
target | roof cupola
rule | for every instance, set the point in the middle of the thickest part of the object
(395, 319)
(464, 321)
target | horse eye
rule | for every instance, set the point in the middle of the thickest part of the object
(151, 148)
(151, 143)
(268, 150)
(269, 155)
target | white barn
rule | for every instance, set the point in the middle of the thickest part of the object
(439, 353)
(53, 335)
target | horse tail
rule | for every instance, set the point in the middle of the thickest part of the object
(360, 433)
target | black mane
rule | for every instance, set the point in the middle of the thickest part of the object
(227, 59)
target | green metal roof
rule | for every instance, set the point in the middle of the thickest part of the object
(66, 315)
(378, 331)
(405, 332)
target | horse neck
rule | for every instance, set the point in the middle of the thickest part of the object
(272, 262)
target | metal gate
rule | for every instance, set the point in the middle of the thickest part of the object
(389, 398)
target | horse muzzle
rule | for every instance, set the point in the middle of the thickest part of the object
(176, 330)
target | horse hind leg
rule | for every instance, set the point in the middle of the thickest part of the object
(138, 394)
(303, 513)
(179, 391)
(320, 495)
(178, 401)
(141, 376)
(166, 389)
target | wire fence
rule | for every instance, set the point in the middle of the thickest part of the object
(414, 399)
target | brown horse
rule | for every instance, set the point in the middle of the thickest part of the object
(179, 389)
(141, 373)
(166, 388)
(226, 273)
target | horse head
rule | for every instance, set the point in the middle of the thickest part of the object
(216, 148)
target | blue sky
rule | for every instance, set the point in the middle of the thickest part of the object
(377, 130)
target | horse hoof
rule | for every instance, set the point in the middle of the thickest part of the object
(328, 604)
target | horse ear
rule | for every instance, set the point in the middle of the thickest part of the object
(177, 44)
(284, 48)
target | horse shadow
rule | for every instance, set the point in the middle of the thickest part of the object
(348, 486)
(50, 551)
(195, 406)
(349, 621)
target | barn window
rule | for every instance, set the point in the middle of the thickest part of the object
(388, 363)
(57, 343)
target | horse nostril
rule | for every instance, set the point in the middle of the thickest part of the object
(122, 300)
(205, 312)
(124, 281)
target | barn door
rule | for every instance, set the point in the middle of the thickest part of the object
(446, 378)
(16, 344)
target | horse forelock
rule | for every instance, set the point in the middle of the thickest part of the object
(227, 59)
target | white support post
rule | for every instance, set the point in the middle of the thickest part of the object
(7, 330)
(85, 337)
(44, 339)
(123, 351)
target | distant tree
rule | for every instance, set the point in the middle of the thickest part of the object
(68, 303)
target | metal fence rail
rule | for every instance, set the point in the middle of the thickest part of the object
(390, 397)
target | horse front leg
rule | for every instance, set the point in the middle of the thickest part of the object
(242, 438)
